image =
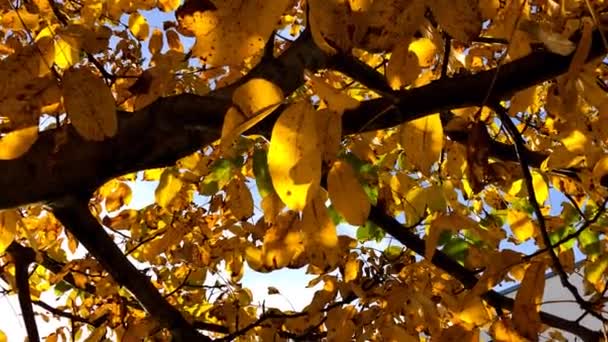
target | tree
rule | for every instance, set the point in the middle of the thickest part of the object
(452, 127)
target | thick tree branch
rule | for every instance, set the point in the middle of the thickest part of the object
(22, 263)
(467, 277)
(74, 214)
(176, 126)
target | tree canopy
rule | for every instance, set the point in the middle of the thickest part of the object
(473, 134)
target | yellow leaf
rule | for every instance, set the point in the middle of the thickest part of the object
(89, 104)
(294, 160)
(402, 68)
(439, 224)
(422, 140)
(336, 100)
(320, 232)
(576, 142)
(595, 272)
(351, 269)
(347, 194)
(255, 100)
(3, 336)
(582, 51)
(330, 134)
(460, 19)
(360, 5)
(232, 120)
(139, 330)
(239, 200)
(503, 331)
(496, 270)
(541, 189)
(271, 206)
(67, 53)
(20, 19)
(489, 8)
(459, 333)
(414, 205)
(425, 51)
(153, 174)
(8, 227)
(174, 41)
(255, 259)
(91, 11)
(156, 41)
(120, 195)
(168, 187)
(16, 143)
(474, 311)
(336, 24)
(139, 26)
(229, 32)
(526, 318)
(168, 5)
(521, 225)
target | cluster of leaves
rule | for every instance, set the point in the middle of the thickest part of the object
(263, 126)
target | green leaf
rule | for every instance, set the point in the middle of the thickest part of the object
(372, 192)
(369, 232)
(392, 252)
(335, 215)
(364, 169)
(61, 288)
(559, 234)
(260, 170)
(457, 249)
(221, 172)
(444, 237)
(589, 242)
(569, 213)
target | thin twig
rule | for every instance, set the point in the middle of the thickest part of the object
(572, 235)
(525, 167)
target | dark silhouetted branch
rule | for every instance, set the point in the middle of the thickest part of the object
(73, 212)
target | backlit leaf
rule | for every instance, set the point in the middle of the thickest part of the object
(595, 272)
(526, 317)
(254, 101)
(168, 5)
(8, 227)
(238, 197)
(521, 225)
(67, 52)
(422, 140)
(16, 143)
(139, 26)
(294, 160)
(89, 104)
(173, 41)
(460, 19)
(228, 32)
(346, 193)
(336, 100)
(156, 41)
(503, 331)
(168, 187)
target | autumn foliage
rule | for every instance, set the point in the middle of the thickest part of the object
(472, 135)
